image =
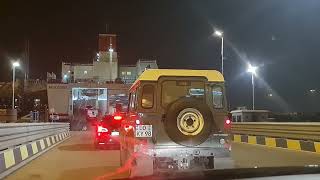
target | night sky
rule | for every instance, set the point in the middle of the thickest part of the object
(280, 36)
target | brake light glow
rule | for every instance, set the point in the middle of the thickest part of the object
(102, 129)
(227, 122)
(128, 127)
(117, 117)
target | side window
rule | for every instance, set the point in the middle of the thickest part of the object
(217, 95)
(132, 105)
(147, 96)
(239, 118)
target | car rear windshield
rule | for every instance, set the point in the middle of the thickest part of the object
(173, 90)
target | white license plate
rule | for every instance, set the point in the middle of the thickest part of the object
(143, 130)
(114, 133)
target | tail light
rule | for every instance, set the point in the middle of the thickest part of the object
(227, 122)
(133, 115)
(128, 127)
(102, 129)
(117, 117)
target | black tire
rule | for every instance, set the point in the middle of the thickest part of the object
(171, 122)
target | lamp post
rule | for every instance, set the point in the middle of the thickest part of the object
(110, 52)
(14, 65)
(220, 34)
(252, 70)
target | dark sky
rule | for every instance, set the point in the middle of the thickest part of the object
(280, 36)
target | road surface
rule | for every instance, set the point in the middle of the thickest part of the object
(75, 158)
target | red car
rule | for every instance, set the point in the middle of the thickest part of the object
(107, 131)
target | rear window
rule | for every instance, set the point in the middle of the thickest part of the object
(173, 90)
(217, 95)
(147, 96)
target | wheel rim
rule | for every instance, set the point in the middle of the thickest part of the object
(190, 122)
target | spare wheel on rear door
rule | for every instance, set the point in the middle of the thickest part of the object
(188, 121)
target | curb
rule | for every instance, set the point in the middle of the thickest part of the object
(13, 159)
(273, 142)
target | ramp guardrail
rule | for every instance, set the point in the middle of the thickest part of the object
(301, 131)
(22, 142)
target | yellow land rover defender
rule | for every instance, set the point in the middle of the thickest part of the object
(175, 121)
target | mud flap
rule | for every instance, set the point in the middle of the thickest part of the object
(142, 166)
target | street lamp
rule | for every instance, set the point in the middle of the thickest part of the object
(110, 52)
(220, 34)
(98, 56)
(252, 70)
(312, 90)
(14, 65)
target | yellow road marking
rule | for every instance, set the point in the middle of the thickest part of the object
(53, 140)
(317, 146)
(34, 147)
(293, 144)
(270, 142)
(252, 139)
(24, 152)
(48, 141)
(9, 158)
(237, 138)
(42, 144)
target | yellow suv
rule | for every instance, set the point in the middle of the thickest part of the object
(175, 121)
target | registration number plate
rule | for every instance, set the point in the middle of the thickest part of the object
(143, 130)
(115, 133)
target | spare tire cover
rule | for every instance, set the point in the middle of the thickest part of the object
(188, 122)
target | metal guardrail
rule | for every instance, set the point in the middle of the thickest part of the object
(14, 134)
(301, 131)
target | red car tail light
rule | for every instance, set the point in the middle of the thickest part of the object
(102, 129)
(227, 122)
(117, 117)
(128, 127)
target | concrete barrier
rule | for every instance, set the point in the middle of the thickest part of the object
(20, 143)
(275, 144)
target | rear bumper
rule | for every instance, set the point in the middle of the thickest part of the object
(182, 159)
(170, 156)
(105, 139)
(189, 151)
(216, 145)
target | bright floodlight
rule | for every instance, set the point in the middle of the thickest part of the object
(312, 90)
(218, 33)
(15, 64)
(252, 69)
(110, 49)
